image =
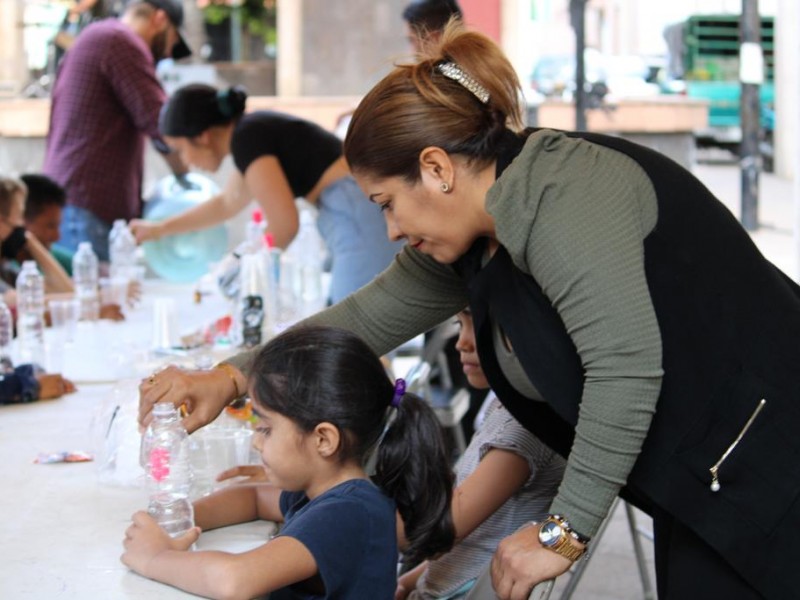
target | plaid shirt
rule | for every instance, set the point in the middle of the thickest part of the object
(105, 102)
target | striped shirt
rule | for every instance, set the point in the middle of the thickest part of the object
(469, 558)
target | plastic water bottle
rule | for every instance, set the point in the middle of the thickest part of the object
(122, 250)
(6, 337)
(253, 290)
(115, 227)
(274, 302)
(254, 234)
(30, 314)
(85, 274)
(305, 256)
(165, 456)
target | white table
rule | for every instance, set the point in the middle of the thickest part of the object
(61, 528)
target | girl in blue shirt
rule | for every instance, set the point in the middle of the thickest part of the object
(324, 402)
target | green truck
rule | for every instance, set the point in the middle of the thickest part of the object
(707, 49)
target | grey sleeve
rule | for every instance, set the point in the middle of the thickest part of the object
(413, 295)
(584, 244)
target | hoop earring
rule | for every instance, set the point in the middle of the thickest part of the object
(445, 187)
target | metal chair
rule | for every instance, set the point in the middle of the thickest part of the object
(483, 586)
(483, 590)
(636, 534)
(450, 407)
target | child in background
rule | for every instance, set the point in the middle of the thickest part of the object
(16, 239)
(44, 207)
(323, 402)
(507, 477)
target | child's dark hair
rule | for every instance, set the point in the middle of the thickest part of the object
(42, 193)
(197, 107)
(314, 374)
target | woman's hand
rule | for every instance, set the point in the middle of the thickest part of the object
(145, 230)
(252, 474)
(521, 562)
(203, 393)
(145, 541)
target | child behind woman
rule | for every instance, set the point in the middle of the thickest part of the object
(506, 478)
(323, 401)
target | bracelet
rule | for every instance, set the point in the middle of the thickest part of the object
(229, 369)
(568, 528)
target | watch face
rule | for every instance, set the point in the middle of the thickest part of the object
(550, 533)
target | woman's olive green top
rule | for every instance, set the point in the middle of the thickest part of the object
(574, 215)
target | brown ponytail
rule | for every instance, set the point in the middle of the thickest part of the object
(416, 106)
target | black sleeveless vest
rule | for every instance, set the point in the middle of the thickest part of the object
(730, 329)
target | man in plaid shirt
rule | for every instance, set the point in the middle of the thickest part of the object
(105, 102)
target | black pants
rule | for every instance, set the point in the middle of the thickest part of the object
(687, 568)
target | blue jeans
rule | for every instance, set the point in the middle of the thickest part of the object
(354, 231)
(80, 225)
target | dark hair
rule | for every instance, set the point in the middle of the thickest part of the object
(416, 106)
(196, 107)
(431, 15)
(313, 374)
(42, 192)
(9, 188)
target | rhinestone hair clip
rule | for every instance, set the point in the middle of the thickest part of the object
(452, 71)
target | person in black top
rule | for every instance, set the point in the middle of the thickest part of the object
(278, 158)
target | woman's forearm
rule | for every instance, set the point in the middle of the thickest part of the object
(212, 212)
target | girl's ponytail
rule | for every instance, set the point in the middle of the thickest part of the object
(414, 469)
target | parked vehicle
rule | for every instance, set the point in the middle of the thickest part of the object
(706, 49)
(622, 76)
(554, 74)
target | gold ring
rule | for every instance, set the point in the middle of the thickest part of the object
(151, 380)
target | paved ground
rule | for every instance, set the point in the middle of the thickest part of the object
(612, 573)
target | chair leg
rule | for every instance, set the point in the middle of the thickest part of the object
(577, 570)
(638, 552)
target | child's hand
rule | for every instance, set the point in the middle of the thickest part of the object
(145, 540)
(252, 473)
(402, 592)
(53, 385)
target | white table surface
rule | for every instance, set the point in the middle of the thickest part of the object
(61, 526)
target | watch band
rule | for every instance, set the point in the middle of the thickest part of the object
(567, 550)
(566, 525)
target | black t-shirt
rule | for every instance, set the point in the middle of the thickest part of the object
(303, 149)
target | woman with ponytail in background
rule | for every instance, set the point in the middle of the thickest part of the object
(324, 403)
(278, 158)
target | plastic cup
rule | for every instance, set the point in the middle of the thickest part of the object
(221, 449)
(165, 333)
(113, 290)
(64, 316)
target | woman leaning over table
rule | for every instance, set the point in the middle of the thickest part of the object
(278, 158)
(621, 313)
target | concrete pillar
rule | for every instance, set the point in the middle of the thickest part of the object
(13, 67)
(290, 48)
(194, 29)
(787, 90)
(337, 48)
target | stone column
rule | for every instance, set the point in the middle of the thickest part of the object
(13, 67)
(337, 48)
